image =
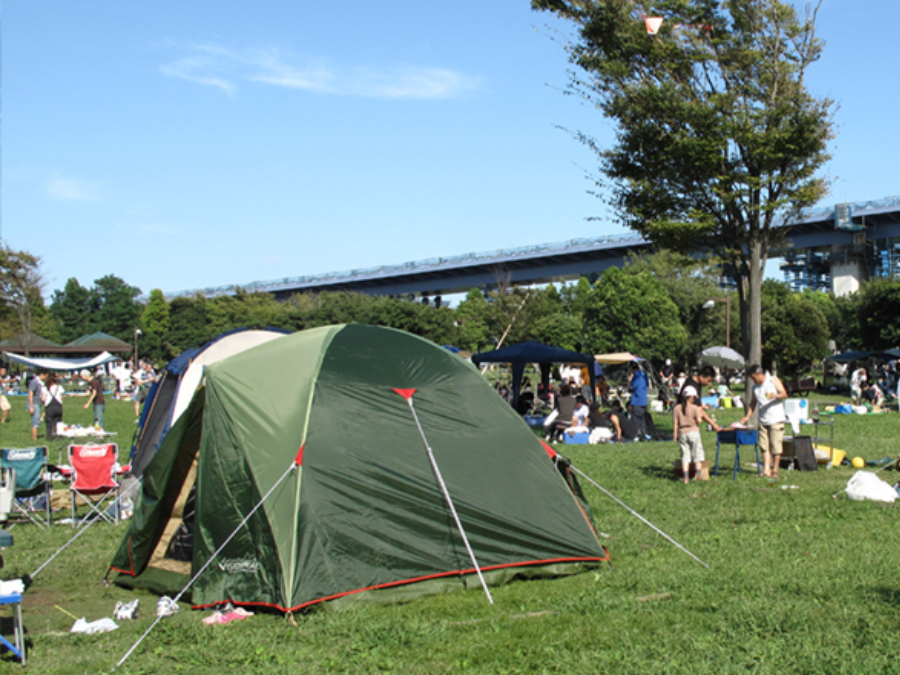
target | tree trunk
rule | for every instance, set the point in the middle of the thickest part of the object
(754, 282)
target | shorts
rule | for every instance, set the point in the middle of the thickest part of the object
(691, 447)
(771, 438)
(36, 416)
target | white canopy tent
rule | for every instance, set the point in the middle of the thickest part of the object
(62, 364)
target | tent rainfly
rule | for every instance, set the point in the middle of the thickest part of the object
(348, 452)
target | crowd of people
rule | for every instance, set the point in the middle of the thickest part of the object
(574, 408)
(47, 392)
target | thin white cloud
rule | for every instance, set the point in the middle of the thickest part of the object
(222, 68)
(203, 66)
(71, 189)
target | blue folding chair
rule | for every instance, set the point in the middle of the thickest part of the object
(32, 490)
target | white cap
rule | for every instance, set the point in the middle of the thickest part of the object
(689, 391)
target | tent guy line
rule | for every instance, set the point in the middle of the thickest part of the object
(290, 469)
(85, 528)
(635, 513)
(408, 395)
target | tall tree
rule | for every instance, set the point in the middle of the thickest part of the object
(187, 324)
(691, 283)
(21, 288)
(717, 135)
(155, 324)
(632, 312)
(74, 308)
(795, 329)
(879, 314)
(118, 310)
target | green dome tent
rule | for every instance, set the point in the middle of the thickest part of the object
(330, 430)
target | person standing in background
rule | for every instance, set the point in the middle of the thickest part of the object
(768, 397)
(35, 401)
(637, 405)
(95, 396)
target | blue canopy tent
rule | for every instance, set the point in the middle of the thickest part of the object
(534, 352)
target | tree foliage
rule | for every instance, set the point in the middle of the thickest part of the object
(879, 314)
(795, 330)
(21, 289)
(632, 312)
(73, 307)
(716, 133)
(690, 283)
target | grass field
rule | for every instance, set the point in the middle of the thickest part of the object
(798, 583)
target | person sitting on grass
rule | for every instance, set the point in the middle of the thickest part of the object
(686, 417)
(872, 394)
(628, 428)
(603, 426)
(579, 417)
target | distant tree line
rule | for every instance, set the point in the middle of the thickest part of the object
(652, 307)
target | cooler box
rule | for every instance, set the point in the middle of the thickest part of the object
(581, 438)
(796, 408)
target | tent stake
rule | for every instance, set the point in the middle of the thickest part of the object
(440, 478)
(208, 562)
(635, 513)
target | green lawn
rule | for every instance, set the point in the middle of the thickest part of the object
(798, 583)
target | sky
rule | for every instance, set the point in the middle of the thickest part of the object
(182, 145)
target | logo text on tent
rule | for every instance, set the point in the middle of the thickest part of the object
(238, 565)
(20, 455)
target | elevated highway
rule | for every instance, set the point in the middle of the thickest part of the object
(829, 248)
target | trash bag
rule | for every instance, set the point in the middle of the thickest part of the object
(864, 485)
(98, 626)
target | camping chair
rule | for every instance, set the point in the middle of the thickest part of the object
(94, 475)
(29, 465)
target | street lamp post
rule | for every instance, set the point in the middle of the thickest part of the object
(137, 331)
(709, 304)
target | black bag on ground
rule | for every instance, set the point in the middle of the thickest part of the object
(804, 454)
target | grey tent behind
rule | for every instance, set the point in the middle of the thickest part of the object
(334, 425)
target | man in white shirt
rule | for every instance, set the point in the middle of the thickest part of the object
(768, 396)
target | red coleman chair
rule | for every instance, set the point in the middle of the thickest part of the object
(94, 479)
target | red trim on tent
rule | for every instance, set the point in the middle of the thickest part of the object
(407, 581)
(550, 451)
(130, 562)
(298, 460)
(406, 393)
(116, 569)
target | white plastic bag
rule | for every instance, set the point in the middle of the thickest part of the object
(551, 418)
(864, 485)
(98, 626)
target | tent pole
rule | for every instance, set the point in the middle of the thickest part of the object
(82, 530)
(440, 478)
(634, 513)
(209, 562)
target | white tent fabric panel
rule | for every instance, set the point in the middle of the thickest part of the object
(227, 346)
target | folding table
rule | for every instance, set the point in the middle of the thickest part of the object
(739, 437)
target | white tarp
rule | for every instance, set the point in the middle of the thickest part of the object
(61, 364)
